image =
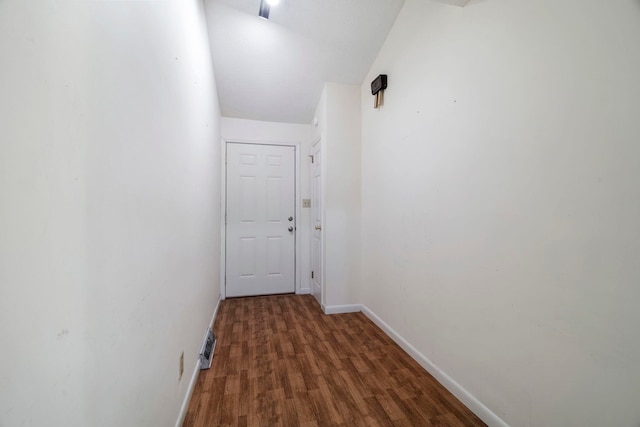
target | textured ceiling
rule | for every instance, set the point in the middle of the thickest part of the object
(275, 69)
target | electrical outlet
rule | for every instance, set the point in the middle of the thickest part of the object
(181, 366)
(306, 203)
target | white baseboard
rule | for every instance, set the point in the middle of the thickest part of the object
(340, 309)
(215, 312)
(194, 375)
(304, 291)
(449, 383)
(187, 398)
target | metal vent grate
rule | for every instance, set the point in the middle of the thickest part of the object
(208, 348)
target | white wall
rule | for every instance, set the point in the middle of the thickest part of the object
(338, 114)
(260, 132)
(109, 209)
(500, 202)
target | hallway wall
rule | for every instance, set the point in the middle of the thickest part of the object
(109, 209)
(500, 202)
(338, 114)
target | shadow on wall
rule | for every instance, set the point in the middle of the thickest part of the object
(474, 2)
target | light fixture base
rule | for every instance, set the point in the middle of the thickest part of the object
(265, 8)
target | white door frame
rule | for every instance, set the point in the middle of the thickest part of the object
(223, 211)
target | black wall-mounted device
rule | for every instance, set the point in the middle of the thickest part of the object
(378, 84)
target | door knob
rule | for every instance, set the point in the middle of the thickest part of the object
(290, 218)
(318, 227)
(290, 228)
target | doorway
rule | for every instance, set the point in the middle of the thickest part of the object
(260, 219)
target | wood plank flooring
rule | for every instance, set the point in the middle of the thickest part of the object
(280, 361)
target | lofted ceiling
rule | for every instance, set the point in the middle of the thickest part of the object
(275, 69)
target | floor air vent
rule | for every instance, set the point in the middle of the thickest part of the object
(208, 348)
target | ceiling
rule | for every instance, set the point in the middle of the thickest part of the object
(275, 69)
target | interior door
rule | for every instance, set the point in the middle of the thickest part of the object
(316, 221)
(260, 220)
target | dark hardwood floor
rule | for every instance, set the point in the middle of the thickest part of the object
(280, 361)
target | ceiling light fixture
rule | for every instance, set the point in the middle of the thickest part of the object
(265, 7)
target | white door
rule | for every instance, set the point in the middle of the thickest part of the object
(260, 234)
(316, 221)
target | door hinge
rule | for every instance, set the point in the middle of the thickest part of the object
(312, 274)
(311, 155)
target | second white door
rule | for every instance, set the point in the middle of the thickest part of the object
(316, 218)
(261, 226)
